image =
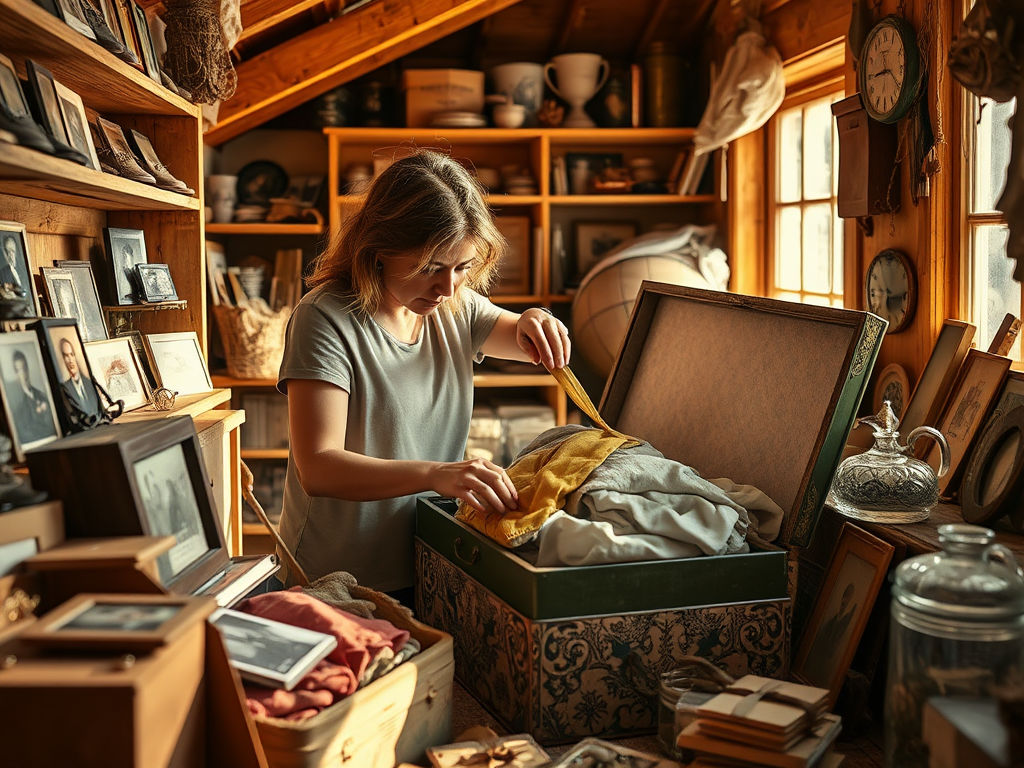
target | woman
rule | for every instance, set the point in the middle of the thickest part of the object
(378, 372)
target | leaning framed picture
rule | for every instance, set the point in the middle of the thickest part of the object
(76, 123)
(28, 406)
(80, 405)
(16, 268)
(91, 322)
(178, 362)
(939, 374)
(155, 283)
(119, 371)
(145, 40)
(117, 622)
(973, 397)
(73, 15)
(61, 293)
(44, 93)
(596, 239)
(841, 610)
(126, 249)
(514, 269)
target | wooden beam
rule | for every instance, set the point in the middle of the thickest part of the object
(653, 21)
(260, 15)
(335, 53)
(802, 26)
(574, 16)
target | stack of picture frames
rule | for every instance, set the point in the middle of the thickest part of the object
(64, 373)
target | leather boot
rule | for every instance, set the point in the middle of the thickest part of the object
(118, 154)
(148, 159)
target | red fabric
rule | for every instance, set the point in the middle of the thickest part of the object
(359, 640)
(325, 684)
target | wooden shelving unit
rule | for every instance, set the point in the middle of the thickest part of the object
(184, 405)
(264, 453)
(264, 229)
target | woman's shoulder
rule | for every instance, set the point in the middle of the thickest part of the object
(325, 300)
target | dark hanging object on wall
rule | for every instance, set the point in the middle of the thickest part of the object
(196, 57)
(868, 176)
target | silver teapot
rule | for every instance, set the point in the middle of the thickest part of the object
(887, 484)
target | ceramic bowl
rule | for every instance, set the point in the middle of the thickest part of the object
(509, 115)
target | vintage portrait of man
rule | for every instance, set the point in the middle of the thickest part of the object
(79, 390)
(26, 390)
(13, 268)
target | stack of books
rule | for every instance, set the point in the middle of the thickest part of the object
(764, 722)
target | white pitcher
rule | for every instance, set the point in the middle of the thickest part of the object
(578, 81)
(222, 195)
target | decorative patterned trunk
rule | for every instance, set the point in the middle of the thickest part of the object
(563, 679)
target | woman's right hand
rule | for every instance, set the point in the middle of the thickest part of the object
(481, 484)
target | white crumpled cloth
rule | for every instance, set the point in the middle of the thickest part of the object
(639, 505)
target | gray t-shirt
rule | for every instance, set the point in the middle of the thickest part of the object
(406, 401)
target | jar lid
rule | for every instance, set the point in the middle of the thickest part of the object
(971, 579)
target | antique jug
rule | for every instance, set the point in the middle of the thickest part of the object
(957, 630)
(887, 484)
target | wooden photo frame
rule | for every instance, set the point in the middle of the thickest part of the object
(966, 411)
(62, 294)
(893, 385)
(79, 403)
(841, 610)
(596, 239)
(119, 371)
(92, 323)
(155, 283)
(76, 123)
(16, 267)
(126, 21)
(28, 404)
(938, 376)
(514, 269)
(117, 622)
(178, 362)
(44, 92)
(126, 248)
(145, 40)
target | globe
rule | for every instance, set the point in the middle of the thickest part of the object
(605, 299)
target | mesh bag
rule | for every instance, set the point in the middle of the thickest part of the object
(253, 339)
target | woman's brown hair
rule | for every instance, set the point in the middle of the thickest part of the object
(426, 202)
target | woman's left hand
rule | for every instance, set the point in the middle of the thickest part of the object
(544, 338)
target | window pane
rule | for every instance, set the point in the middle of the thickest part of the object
(789, 297)
(992, 155)
(817, 232)
(821, 301)
(837, 253)
(787, 249)
(818, 150)
(790, 157)
(995, 292)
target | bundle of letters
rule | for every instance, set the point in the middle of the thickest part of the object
(757, 721)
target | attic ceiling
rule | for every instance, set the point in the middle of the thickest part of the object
(291, 52)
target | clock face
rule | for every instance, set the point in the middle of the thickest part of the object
(889, 70)
(889, 286)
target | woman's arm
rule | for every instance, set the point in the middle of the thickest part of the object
(534, 335)
(318, 420)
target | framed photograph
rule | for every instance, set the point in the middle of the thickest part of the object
(595, 239)
(109, 9)
(145, 41)
(968, 406)
(91, 324)
(119, 371)
(514, 270)
(126, 21)
(995, 473)
(928, 397)
(270, 652)
(15, 267)
(117, 622)
(80, 405)
(28, 405)
(126, 248)
(139, 345)
(76, 123)
(43, 88)
(61, 293)
(892, 385)
(10, 89)
(73, 15)
(841, 610)
(178, 362)
(155, 283)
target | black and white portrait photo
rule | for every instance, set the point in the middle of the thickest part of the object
(170, 507)
(126, 248)
(77, 124)
(122, 617)
(15, 273)
(63, 297)
(82, 401)
(90, 318)
(155, 282)
(10, 89)
(27, 398)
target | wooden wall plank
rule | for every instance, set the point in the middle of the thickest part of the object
(260, 15)
(802, 26)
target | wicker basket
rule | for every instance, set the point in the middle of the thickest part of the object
(253, 339)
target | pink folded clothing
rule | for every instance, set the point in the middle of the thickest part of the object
(325, 684)
(359, 640)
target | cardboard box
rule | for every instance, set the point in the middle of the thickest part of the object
(761, 391)
(430, 91)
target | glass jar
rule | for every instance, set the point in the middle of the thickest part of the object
(677, 708)
(957, 630)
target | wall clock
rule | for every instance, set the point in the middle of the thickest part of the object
(889, 77)
(890, 290)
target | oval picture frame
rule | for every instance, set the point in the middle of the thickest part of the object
(892, 385)
(977, 506)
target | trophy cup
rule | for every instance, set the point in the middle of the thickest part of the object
(578, 81)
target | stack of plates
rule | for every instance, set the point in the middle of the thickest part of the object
(250, 213)
(521, 185)
(458, 120)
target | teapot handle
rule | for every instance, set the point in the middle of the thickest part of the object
(1004, 556)
(938, 437)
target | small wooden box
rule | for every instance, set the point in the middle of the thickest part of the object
(428, 92)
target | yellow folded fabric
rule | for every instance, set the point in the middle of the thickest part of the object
(545, 477)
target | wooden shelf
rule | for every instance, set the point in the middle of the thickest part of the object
(254, 529)
(558, 136)
(500, 200)
(223, 380)
(104, 82)
(559, 298)
(264, 229)
(631, 199)
(184, 405)
(514, 380)
(264, 453)
(27, 173)
(516, 299)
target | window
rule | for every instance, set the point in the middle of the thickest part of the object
(806, 236)
(989, 291)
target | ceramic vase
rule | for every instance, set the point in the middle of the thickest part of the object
(580, 76)
(523, 83)
(222, 194)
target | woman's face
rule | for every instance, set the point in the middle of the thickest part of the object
(424, 292)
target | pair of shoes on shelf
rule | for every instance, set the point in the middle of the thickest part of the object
(134, 158)
(17, 121)
(104, 36)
